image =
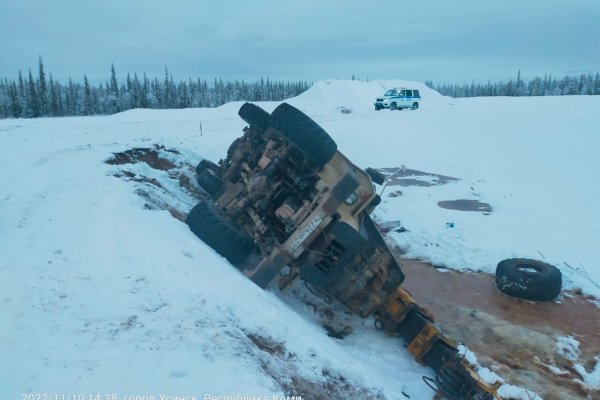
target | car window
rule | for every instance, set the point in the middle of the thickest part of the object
(416, 93)
(409, 93)
(390, 93)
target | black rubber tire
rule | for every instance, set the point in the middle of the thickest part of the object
(415, 106)
(393, 107)
(210, 182)
(206, 164)
(304, 133)
(233, 146)
(376, 201)
(254, 116)
(528, 279)
(214, 230)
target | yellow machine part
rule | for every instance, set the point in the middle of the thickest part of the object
(400, 314)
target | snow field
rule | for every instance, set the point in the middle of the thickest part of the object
(102, 295)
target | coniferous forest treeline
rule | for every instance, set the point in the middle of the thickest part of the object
(37, 96)
(547, 86)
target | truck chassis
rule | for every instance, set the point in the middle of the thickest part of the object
(286, 204)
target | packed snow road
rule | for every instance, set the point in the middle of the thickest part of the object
(104, 291)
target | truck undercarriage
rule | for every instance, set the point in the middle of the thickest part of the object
(285, 204)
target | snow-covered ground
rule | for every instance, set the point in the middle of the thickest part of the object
(533, 159)
(102, 295)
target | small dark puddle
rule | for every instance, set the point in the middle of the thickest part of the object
(466, 205)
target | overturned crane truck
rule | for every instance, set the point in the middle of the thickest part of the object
(285, 203)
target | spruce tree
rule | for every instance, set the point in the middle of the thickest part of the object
(71, 98)
(33, 104)
(114, 100)
(15, 105)
(55, 101)
(88, 101)
(21, 90)
(144, 102)
(42, 88)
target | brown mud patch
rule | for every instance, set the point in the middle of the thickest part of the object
(513, 337)
(281, 365)
(158, 192)
(466, 205)
(410, 177)
(131, 176)
(150, 156)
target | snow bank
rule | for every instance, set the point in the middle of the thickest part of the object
(102, 295)
(327, 96)
(568, 347)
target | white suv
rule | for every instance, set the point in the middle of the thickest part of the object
(398, 98)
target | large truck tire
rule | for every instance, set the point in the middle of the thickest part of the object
(528, 279)
(304, 133)
(254, 116)
(206, 164)
(219, 234)
(210, 182)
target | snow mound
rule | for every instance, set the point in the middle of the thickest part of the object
(330, 95)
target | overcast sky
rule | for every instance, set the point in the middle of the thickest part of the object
(439, 40)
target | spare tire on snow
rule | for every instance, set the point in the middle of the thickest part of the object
(528, 279)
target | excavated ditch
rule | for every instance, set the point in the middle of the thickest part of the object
(164, 180)
(513, 337)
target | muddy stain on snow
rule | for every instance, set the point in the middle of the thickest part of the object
(515, 337)
(409, 177)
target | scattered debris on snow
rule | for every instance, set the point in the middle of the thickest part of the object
(591, 379)
(104, 290)
(567, 346)
(506, 390)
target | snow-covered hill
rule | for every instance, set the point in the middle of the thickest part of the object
(105, 292)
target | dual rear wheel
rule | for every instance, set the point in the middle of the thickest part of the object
(297, 129)
(303, 133)
(217, 232)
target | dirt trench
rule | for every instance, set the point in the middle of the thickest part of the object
(513, 337)
(169, 184)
